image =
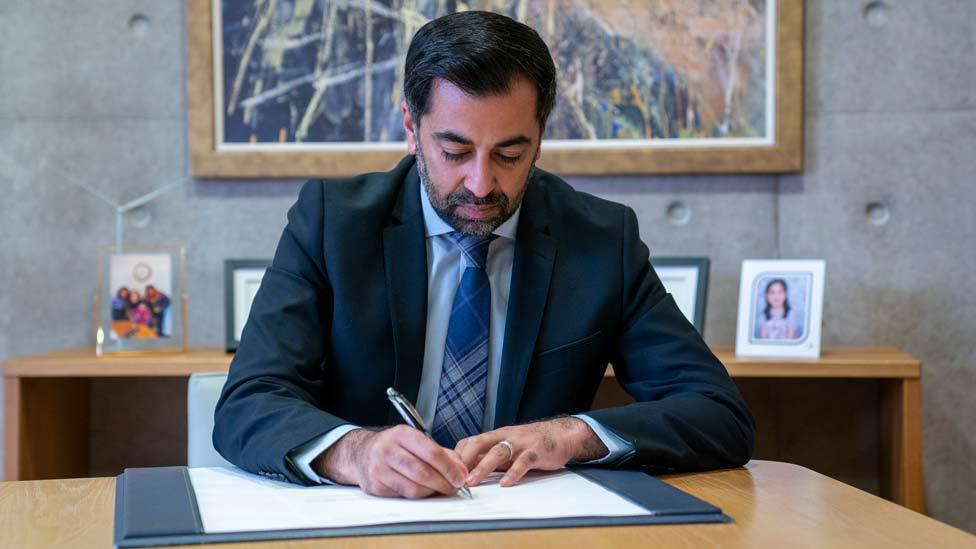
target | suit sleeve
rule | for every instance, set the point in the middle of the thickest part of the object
(688, 414)
(269, 405)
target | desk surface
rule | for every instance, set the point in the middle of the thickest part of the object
(834, 362)
(772, 504)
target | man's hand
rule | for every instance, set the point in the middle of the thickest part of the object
(399, 461)
(546, 445)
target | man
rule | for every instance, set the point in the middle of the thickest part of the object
(488, 292)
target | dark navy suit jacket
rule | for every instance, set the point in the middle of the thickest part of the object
(341, 315)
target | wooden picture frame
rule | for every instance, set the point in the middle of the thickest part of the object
(781, 152)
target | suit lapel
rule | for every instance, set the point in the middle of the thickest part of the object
(535, 253)
(405, 260)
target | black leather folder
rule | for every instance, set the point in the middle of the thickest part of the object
(157, 506)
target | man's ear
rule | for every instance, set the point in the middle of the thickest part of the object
(538, 148)
(410, 128)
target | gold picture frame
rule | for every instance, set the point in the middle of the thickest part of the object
(780, 152)
(151, 315)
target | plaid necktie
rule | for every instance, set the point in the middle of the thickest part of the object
(461, 397)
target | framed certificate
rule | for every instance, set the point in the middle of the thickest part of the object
(686, 279)
(242, 278)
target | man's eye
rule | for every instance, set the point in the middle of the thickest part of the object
(453, 157)
(511, 160)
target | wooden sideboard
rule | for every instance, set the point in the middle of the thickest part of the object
(47, 404)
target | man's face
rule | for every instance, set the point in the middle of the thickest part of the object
(475, 154)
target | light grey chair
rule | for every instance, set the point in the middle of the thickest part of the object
(202, 393)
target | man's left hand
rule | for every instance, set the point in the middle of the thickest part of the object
(545, 445)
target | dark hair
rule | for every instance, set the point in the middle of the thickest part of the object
(479, 52)
(786, 302)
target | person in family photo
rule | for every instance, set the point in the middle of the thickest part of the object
(120, 304)
(159, 305)
(135, 316)
(778, 319)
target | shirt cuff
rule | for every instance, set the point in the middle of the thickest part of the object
(620, 449)
(305, 454)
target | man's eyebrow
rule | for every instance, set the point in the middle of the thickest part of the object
(517, 140)
(461, 140)
(453, 137)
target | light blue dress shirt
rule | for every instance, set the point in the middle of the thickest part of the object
(445, 266)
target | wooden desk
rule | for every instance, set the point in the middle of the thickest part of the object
(772, 505)
(46, 418)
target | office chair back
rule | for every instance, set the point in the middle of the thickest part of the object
(203, 391)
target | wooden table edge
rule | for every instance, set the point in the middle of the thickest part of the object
(837, 362)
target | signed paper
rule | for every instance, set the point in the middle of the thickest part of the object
(231, 500)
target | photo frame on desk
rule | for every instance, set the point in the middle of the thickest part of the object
(141, 303)
(686, 279)
(242, 278)
(780, 308)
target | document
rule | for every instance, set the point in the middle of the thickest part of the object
(231, 500)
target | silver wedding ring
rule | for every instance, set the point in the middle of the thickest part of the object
(511, 449)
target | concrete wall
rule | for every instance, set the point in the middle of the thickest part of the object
(890, 117)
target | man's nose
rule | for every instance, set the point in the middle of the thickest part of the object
(481, 178)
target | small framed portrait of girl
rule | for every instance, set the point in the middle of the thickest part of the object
(780, 308)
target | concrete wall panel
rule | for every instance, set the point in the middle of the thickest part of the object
(890, 119)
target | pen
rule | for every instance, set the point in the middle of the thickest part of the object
(413, 419)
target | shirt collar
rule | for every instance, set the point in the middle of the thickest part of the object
(434, 225)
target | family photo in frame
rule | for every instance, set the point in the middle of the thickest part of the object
(140, 304)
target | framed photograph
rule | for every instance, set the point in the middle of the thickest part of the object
(686, 279)
(242, 278)
(313, 89)
(140, 305)
(780, 308)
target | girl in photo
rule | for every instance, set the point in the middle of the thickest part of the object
(778, 321)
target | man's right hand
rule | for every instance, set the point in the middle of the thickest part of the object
(395, 462)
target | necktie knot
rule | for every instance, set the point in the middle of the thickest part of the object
(475, 248)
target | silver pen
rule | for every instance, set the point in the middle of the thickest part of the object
(413, 419)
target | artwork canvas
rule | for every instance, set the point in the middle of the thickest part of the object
(674, 80)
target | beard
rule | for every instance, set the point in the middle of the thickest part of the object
(447, 206)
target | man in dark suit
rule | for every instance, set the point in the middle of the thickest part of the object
(489, 292)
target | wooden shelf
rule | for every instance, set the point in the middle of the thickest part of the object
(835, 362)
(82, 362)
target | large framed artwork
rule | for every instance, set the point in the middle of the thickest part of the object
(312, 88)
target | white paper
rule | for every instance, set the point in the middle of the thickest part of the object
(231, 500)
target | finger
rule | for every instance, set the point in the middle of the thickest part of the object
(376, 488)
(522, 464)
(495, 458)
(403, 486)
(411, 467)
(475, 448)
(446, 463)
